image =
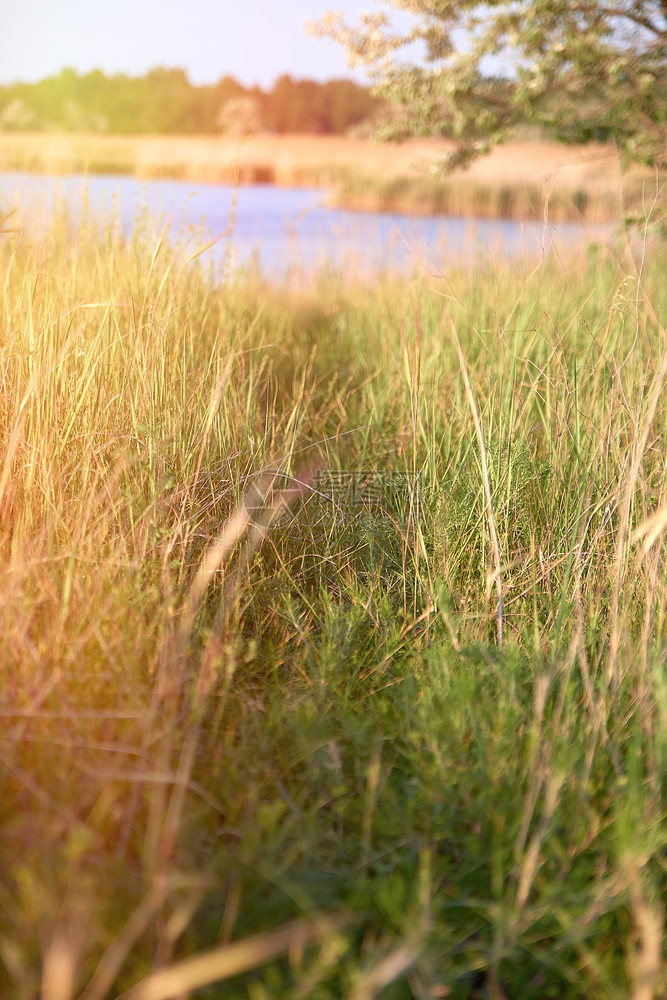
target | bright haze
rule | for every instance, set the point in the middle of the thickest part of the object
(254, 41)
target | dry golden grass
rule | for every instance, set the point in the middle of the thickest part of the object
(307, 768)
(515, 180)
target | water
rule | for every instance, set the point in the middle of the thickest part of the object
(285, 232)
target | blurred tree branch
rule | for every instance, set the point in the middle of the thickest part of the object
(471, 70)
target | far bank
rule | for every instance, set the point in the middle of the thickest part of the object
(520, 180)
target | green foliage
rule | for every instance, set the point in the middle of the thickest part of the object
(584, 70)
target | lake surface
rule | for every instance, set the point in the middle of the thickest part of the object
(284, 232)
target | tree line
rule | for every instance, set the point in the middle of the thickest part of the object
(165, 101)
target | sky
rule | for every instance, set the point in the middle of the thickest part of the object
(254, 41)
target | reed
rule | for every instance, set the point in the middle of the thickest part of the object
(259, 735)
(513, 182)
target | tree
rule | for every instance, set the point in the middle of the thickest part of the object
(316, 108)
(241, 116)
(16, 116)
(581, 67)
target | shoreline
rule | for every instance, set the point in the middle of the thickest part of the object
(518, 181)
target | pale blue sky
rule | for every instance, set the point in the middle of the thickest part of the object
(253, 40)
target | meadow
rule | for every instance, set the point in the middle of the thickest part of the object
(332, 628)
(515, 181)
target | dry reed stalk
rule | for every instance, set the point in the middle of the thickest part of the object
(243, 518)
(229, 960)
(650, 530)
(166, 812)
(497, 574)
(647, 970)
(121, 945)
(412, 364)
(622, 547)
(385, 972)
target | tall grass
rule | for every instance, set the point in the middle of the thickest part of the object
(265, 737)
